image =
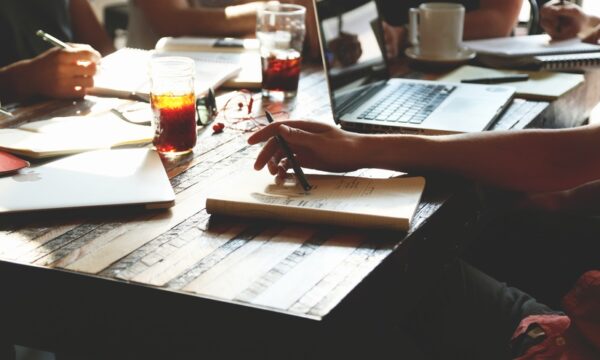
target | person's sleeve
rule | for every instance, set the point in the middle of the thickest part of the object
(395, 12)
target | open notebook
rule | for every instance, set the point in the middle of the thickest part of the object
(239, 52)
(90, 179)
(380, 203)
(126, 71)
(74, 134)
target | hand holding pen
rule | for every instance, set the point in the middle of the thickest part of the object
(316, 145)
(562, 20)
(290, 158)
(64, 71)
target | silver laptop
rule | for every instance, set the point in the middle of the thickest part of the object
(364, 98)
(89, 179)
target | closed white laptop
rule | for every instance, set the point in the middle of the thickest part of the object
(89, 179)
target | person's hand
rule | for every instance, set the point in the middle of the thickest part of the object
(61, 73)
(346, 48)
(545, 202)
(395, 39)
(562, 21)
(592, 36)
(315, 145)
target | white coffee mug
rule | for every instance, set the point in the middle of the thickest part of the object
(436, 29)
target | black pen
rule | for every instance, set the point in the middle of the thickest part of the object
(290, 155)
(52, 40)
(497, 79)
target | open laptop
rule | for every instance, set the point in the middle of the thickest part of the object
(363, 96)
(89, 179)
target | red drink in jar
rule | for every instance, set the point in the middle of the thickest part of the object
(173, 101)
(175, 116)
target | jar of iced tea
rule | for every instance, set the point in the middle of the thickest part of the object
(173, 102)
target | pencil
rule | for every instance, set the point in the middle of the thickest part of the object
(290, 155)
(52, 40)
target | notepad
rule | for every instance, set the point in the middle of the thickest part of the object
(69, 135)
(378, 203)
(542, 85)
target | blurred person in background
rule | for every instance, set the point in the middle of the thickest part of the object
(483, 19)
(569, 20)
(149, 20)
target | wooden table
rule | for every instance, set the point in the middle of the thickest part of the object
(128, 278)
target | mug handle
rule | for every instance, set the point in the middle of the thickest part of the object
(413, 26)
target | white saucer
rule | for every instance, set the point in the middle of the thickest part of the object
(463, 55)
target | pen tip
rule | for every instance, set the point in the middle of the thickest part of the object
(39, 33)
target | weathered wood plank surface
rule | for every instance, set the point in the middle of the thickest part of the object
(293, 268)
(300, 269)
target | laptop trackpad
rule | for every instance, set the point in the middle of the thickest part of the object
(462, 114)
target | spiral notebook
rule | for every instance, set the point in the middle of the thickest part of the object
(536, 52)
(568, 61)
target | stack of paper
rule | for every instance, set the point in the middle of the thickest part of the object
(526, 51)
(529, 45)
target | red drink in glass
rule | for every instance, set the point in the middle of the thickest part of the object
(281, 72)
(175, 118)
(280, 29)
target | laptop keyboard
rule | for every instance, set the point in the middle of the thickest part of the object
(407, 103)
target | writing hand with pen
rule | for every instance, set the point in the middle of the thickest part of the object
(314, 145)
(564, 20)
(63, 72)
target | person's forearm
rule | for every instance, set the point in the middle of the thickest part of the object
(494, 18)
(582, 199)
(531, 160)
(205, 22)
(87, 28)
(481, 24)
(13, 82)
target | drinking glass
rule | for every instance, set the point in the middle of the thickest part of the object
(173, 103)
(280, 28)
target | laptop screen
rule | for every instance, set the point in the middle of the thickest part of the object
(351, 43)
